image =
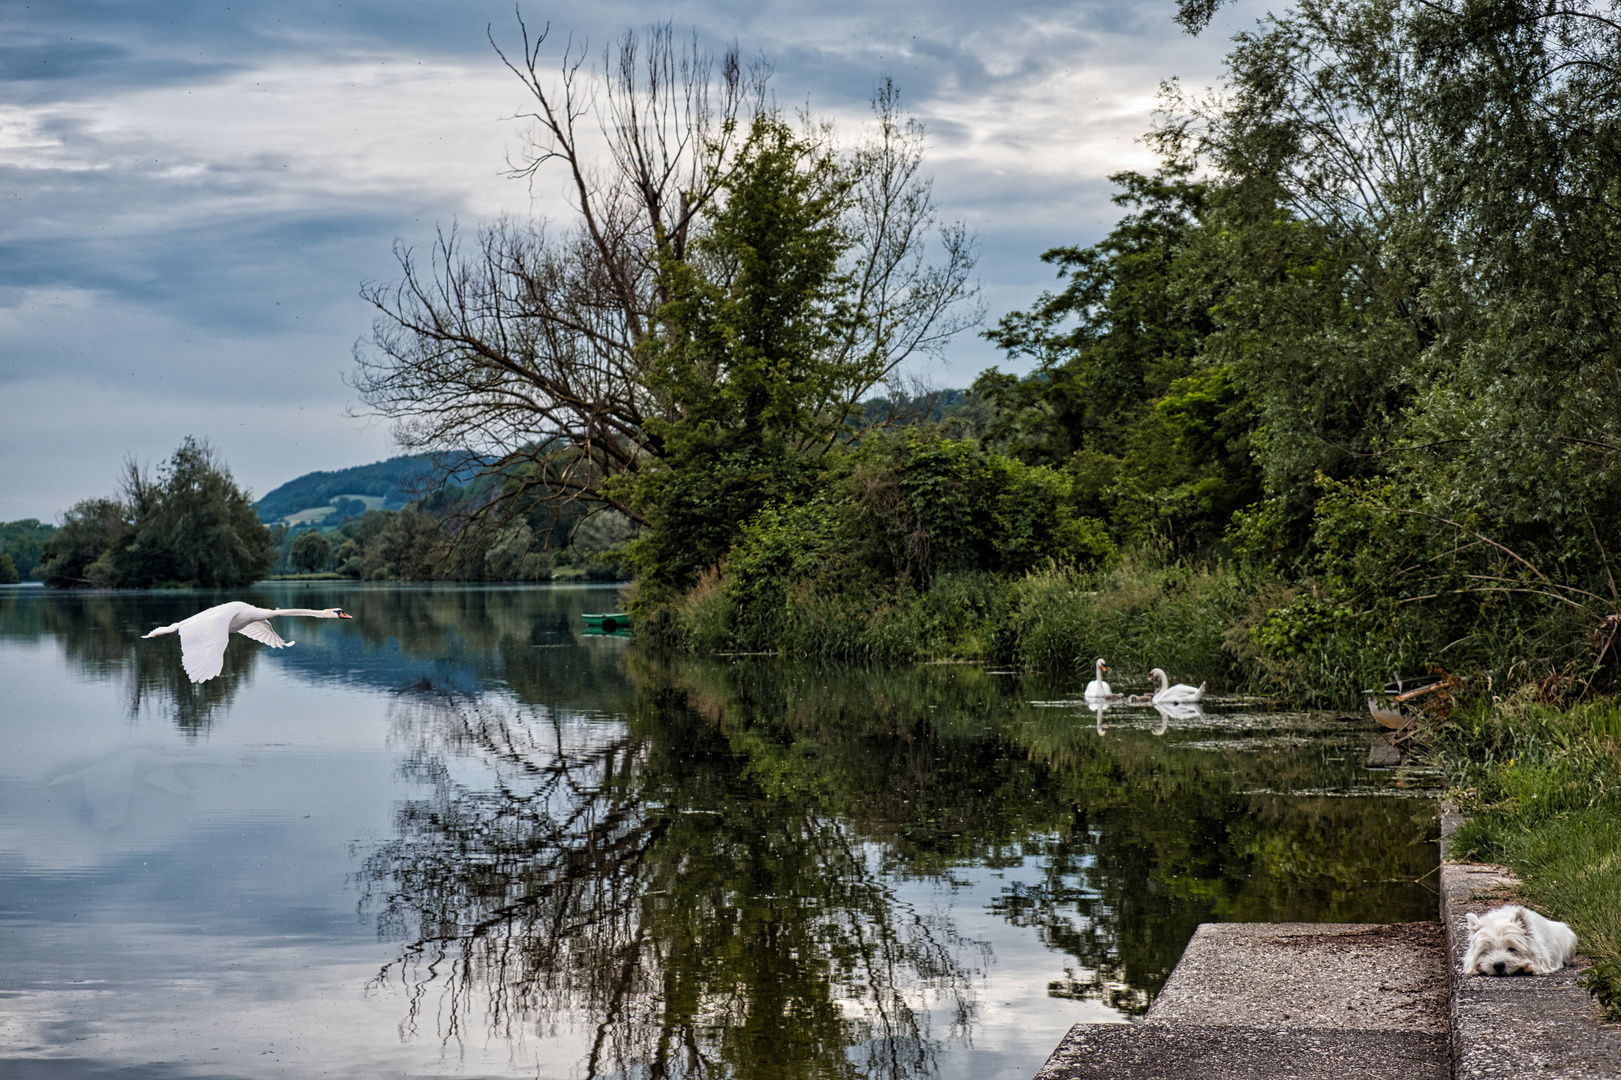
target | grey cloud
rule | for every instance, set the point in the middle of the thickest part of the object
(225, 281)
(253, 273)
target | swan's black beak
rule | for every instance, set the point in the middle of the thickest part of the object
(342, 614)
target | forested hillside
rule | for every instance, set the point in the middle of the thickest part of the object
(394, 483)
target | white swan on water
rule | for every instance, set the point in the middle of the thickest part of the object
(1097, 688)
(203, 636)
(1181, 693)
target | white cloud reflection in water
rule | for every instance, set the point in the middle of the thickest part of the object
(189, 897)
(203, 886)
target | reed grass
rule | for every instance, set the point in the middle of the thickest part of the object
(1139, 614)
(1136, 616)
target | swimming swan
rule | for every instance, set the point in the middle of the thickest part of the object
(1175, 695)
(1097, 688)
(203, 636)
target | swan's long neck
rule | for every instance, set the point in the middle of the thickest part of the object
(1164, 683)
(1099, 670)
(311, 612)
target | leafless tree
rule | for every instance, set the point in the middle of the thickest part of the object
(523, 344)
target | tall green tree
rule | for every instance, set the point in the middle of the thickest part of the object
(531, 345)
(192, 525)
(744, 362)
(1525, 103)
(1156, 434)
(1317, 227)
(1419, 212)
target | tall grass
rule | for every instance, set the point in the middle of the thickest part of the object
(1200, 622)
(1137, 616)
(1543, 787)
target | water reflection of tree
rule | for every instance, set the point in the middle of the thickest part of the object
(98, 639)
(1167, 836)
(1138, 838)
(704, 920)
(474, 635)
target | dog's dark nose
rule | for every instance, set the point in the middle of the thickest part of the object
(1498, 967)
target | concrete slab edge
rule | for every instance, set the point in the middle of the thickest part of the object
(1543, 1026)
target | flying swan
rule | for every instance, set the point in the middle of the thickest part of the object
(1179, 694)
(1097, 688)
(203, 636)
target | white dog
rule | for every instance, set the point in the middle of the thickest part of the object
(1511, 940)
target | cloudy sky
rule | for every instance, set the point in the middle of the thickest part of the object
(195, 190)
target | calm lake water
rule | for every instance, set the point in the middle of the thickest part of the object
(458, 837)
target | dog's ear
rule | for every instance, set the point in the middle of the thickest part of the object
(1472, 919)
(1519, 917)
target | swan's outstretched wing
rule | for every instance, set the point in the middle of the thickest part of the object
(202, 644)
(263, 631)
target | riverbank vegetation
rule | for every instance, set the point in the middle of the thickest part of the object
(1336, 398)
(1325, 382)
(1542, 786)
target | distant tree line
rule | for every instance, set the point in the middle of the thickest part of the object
(191, 525)
(460, 534)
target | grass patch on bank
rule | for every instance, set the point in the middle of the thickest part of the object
(1542, 786)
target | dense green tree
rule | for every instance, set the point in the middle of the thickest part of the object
(1117, 333)
(192, 525)
(24, 541)
(1155, 434)
(1416, 206)
(311, 552)
(8, 570)
(1525, 103)
(1315, 229)
(743, 362)
(91, 529)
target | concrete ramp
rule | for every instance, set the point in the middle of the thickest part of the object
(1282, 1001)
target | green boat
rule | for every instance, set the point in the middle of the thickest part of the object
(611, 622)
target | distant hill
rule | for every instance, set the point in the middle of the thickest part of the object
(382, 485)
(325, 498)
